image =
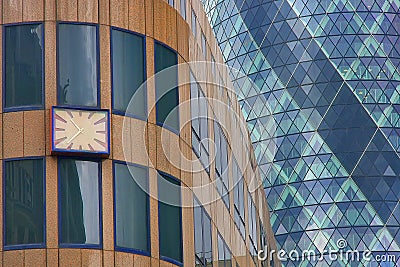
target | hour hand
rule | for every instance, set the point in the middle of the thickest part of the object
(77, 127)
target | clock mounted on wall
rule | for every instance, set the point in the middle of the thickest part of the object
(80, 131)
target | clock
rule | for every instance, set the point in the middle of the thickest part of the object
(80, 131)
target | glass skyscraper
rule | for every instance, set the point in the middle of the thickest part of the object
(328, 74)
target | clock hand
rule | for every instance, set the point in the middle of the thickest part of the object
(77, 127)
(73, 137)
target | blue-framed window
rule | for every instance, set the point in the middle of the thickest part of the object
(224, 254)
(221, 163)
(194, 23)
(78, 65)
(238, 198)
(202, 236)
(183, 9)
(128, 73)
(252, 227)
(263, 242)
(170, 218)
(167, 96)
(24, 203)
(131, 208)
(199, 113)
(23, 86)
(79, 203)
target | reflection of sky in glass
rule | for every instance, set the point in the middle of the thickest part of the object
(88, 183)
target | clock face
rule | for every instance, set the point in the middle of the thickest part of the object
(82, 131)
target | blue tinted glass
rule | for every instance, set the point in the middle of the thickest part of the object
(23, 65)
(77, 65)
(128, 72)
(24, 202)
(79, 202)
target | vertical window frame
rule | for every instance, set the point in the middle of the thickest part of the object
(43, 93)
(72, 245)
(24, 246)
(98, 84)
(117, 111)
(124, 249)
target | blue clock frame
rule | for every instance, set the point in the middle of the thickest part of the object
(77, 152)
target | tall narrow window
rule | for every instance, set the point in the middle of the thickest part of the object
(238, 198)
(166, 87)
(199, 113)
(194, 23)
(221, 163)
(170, 218)
(203, 236)
(131, 208)
(203, 45)
(183, 9)
(77, 65)
(79, 202)
(128, 73)
(23, 61)
(24, 203)
(252, 226)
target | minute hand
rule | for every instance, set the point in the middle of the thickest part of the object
(75, 135)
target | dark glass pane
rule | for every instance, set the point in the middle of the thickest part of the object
(24, 202)
(80, 205)
(166, 87)
(169, 217)
(207, 238)
(77, 65)
(128, 72)
(23, 65)
(131, 207)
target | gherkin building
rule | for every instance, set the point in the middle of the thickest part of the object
(328, 74)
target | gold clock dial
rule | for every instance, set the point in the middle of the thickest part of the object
(80, 130)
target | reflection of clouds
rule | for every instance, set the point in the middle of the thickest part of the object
(88, 172)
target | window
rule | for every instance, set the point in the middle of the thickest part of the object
(131, 208)
(166, 87)
(238, 198)
(194, 23)
(221, 163)
(170, 218)
(77, 65)
(171, 2)
(224, 254)
(252, 227)
(24, 203)
(202, 236)
(183, 9)
(199, 110)
(128, 73)
(204, 45)
(263, 242)
(79, 203)
(23, 62)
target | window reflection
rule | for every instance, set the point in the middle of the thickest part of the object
(80, 205)
(23, 65)
(77, 65)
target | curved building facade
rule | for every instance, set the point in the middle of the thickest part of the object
(92, 179)
(327, 73)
